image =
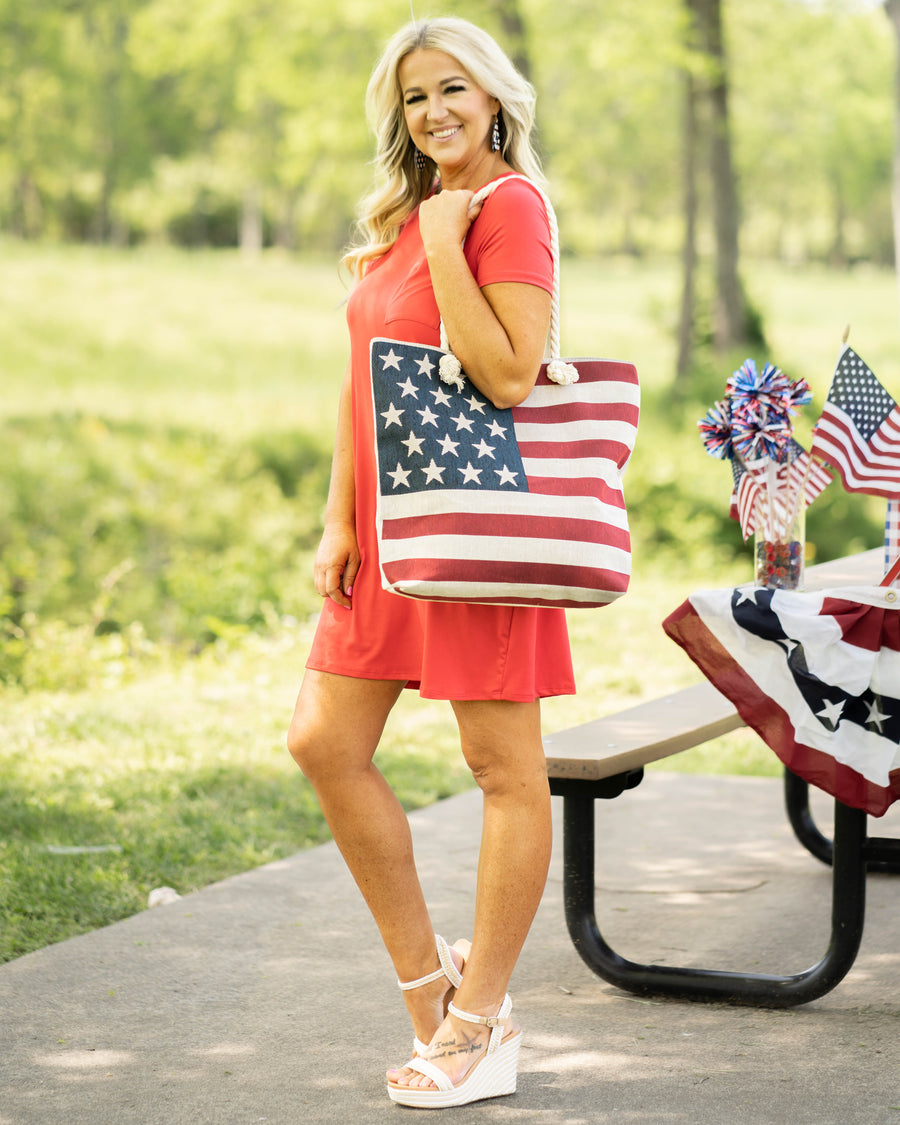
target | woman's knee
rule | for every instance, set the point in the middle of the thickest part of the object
(336, 725)
(502, 746)
(308, 740)
(303, 747)
(508, 777)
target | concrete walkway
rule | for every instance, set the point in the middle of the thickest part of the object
(268, 998)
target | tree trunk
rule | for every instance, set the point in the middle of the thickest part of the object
(689, 209)
(251, 226)
(286, 228)
(514, 31)
(892, 7)
(838, 256)
(730, 314)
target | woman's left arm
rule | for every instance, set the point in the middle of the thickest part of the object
(497, 333)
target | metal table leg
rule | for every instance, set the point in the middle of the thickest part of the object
(882, 854)
(760, 989)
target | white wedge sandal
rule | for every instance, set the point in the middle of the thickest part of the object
(447, 969)
(493, 1075)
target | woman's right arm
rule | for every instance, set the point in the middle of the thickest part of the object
(337, 559)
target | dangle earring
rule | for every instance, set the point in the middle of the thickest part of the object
(420, 160)
(495, 135)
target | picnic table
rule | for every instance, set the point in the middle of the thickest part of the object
(604, 758)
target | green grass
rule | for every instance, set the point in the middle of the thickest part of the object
(174, 394)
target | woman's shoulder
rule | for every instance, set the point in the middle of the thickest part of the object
(516, 188)
(515, 205)
(514, 202)
(510, 239)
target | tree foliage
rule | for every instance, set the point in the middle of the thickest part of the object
(217, 120)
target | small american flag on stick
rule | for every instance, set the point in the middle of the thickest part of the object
(798, 477)
(859, 431)
(520, 506)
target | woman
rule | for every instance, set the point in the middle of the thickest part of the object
(451, 114)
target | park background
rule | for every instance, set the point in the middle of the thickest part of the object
(176, 185)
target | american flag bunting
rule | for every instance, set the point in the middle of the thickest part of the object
(814, 673)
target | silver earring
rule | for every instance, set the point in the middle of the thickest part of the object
(420, 160)
(495, 135)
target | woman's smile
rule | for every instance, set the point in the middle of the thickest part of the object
(446, 133)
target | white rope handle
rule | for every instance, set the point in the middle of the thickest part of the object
(557, 370)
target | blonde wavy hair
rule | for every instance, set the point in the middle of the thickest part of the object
(399, 185)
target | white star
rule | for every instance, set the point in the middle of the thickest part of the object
(390, 360)
(789, 647)
(408, 388)
(831, 712)
(876, 716)
(441, 398)
(433, 472)
(448, 446)
(462, 423)
(470, 473)
(474, 404)
(506, 476)
(746, 596)
(391, 416)
(496, 430)
(485, 450)
(425, 366)
(413, 444)
(428, 418)
(400, 476)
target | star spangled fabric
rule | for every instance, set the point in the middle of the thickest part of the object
(815, 674)
(515, 507)
(859, 431)
(752, 487)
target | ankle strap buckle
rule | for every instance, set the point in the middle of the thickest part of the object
(501, 1019)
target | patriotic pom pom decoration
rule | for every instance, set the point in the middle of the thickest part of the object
(716, 432)
(774, 476)
(759, 431)
(769, 387)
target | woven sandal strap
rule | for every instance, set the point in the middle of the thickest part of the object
(437, 1076)
(447, 969)
(495, 1023)
(450, 970)
(406, 985)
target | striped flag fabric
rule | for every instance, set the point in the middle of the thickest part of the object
(516, 507)
(892, 537)
(816, 674)
(859, 430)
(755, 486)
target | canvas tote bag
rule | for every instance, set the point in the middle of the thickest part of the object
(522, 506)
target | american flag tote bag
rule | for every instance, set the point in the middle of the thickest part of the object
(522, 506)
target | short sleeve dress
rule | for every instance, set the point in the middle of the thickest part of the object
(447, 650)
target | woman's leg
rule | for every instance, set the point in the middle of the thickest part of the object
(502, 745)
(336, 727)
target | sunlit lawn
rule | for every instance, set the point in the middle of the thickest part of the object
(177, 765)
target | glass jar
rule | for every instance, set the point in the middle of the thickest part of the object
(779, 554)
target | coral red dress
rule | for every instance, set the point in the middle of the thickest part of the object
(446, 650)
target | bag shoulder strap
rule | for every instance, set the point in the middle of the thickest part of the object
(557, 369)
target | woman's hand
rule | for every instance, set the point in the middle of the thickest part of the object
(337, 561)
(445, 218)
